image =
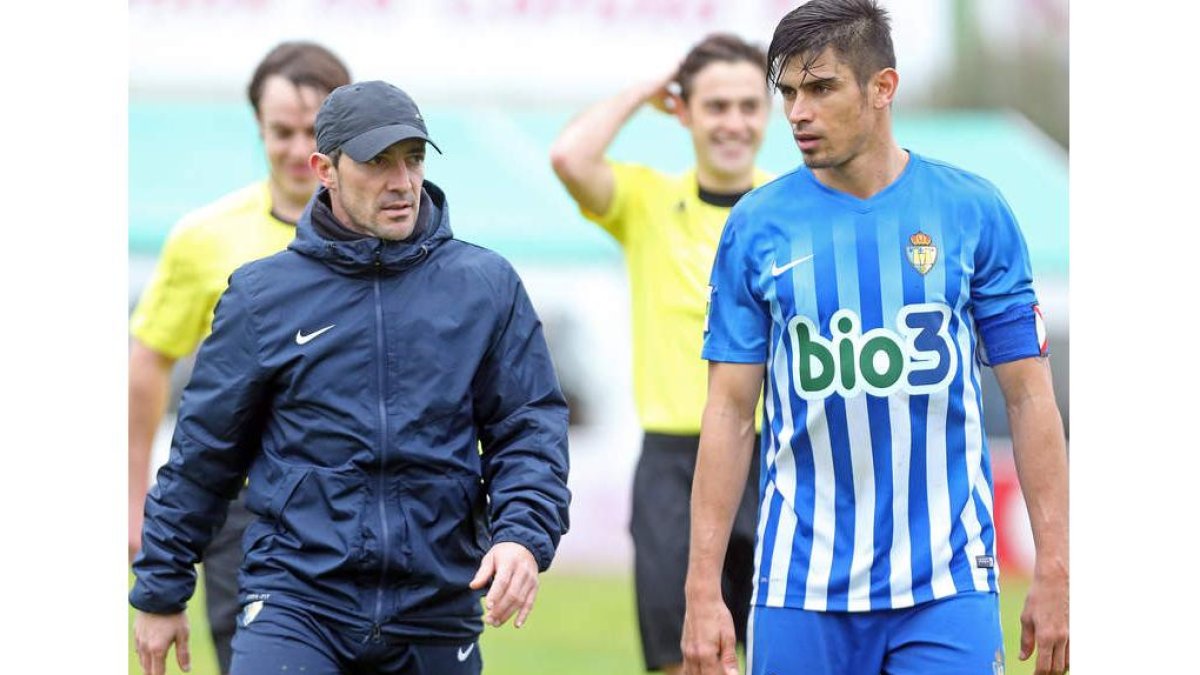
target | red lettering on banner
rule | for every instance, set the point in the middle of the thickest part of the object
(203, 5)
(605, 11)
(369, 5)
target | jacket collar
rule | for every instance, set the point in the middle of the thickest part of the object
(371, 254)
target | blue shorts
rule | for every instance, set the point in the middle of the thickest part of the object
(285, 640)
(958, 635)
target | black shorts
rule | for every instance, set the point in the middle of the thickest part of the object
(661, 527)
(222, 560)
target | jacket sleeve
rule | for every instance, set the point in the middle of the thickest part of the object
(521, 415)
(216, 435)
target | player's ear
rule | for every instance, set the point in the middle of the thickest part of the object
(682, 112)
(323, 167)
(883, 88)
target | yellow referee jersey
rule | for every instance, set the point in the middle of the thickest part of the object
(670, 239)
(175, 311)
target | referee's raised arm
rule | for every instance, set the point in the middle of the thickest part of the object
(577, 155)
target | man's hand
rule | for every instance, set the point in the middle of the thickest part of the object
(709, 643)
(152, 637)
(661, 93)
(1045, 623)
(515, 586)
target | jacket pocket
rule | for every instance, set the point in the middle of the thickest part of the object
(272, 486)
(446, 535)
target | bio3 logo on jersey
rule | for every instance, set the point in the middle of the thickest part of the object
(920, 359)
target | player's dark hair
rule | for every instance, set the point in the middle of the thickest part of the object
(858, 31)
(716, 47)
(304, 64)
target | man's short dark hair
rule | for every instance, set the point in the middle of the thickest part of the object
(858, 31)
(304, 64)
(716, 47)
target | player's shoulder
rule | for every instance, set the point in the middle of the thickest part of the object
(954, 180)
(480, 259)
(773, 192)
(637, 175)
(225, 214)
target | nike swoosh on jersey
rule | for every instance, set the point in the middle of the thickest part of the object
(301, 338)
(464, 653)
(776, 270)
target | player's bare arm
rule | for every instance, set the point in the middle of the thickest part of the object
(513, 571)
(1040, 454)
(153, 635)
(577, 155)
(726, 446)
(149, 388)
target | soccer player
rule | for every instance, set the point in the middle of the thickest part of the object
(868, 286)
(175, 311)
(388, 391)
(668, 227)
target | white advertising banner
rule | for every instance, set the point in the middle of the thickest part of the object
(476, 51)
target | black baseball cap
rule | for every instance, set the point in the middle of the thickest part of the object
(364, 118)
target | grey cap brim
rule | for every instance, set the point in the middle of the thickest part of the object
(366, 145)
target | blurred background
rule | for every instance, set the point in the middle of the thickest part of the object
(983, 86)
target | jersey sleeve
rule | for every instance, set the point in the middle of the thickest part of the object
(738, 321)
(1006, 311)
(172, 316)
(630, 184)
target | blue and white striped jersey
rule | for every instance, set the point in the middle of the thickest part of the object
(871, 316)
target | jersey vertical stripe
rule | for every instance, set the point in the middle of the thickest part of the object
(818, 422)
(861, 506)
(936, 465)
(958, 452)
(879, 427)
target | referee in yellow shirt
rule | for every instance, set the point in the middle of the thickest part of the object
(175, 311)
(668, 227)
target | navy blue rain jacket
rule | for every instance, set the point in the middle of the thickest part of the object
(395, 409)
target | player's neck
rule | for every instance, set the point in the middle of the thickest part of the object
(284, 205)
(869, 173)
(722, 183)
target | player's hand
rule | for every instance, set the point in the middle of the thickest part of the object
(709, 643)
(152, 638)
(1045, 623)
(663, 93)
(514, 586)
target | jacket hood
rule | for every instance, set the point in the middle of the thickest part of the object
(371, 253)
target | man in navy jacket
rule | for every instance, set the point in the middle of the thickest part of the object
(386, 393)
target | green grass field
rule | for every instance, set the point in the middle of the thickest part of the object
(583, 625)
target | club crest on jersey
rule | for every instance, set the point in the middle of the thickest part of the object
(921, 252)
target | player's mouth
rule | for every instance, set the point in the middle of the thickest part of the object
(806, 141)
(731, 147)
(299, 171)
(397, 209)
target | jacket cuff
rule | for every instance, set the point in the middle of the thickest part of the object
(542, 552)
(143, 601)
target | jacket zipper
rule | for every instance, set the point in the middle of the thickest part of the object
(381, 369)
(383, 426)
